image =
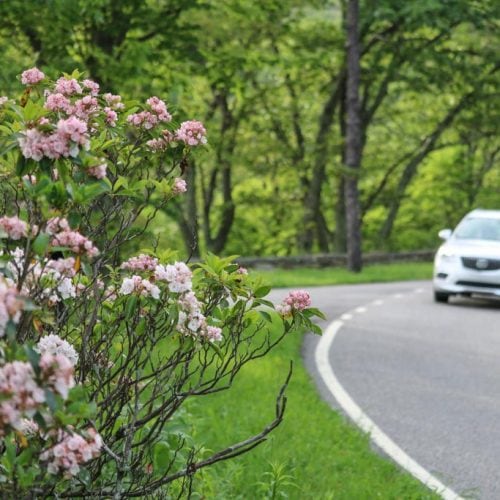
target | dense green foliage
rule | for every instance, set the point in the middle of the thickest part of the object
(268, 80)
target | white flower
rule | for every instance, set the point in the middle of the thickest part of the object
(66, 288)
(155, 292)
(128, 286)
(53, 344)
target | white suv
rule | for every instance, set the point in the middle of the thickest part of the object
(469, 260)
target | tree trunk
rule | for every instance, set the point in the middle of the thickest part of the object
(353, 143)
(221, 171)
(189, 218)
(340, 218)
(312, 199)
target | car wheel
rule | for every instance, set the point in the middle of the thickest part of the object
(441, 296)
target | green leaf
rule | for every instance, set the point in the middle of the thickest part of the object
(316, 312)
(84, 476)
(315, 329)
(217, 350)
(41, 243)
(27, 476)
(10, 455)
(22, 165)
(33, 358)
(51, 399)
(262, 302)
(25, 456)
(78, 393)
(131, 306)
(91, 191)
(74, 219)
(262, 291)
(141, 327)
(11, 330)
(266, 316)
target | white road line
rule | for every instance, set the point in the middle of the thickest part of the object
(365, 423)
(346, 317)
(378, 302)
(360, 309)
(398, 295)
(419, 290)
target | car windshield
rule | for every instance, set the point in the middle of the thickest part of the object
(478, 229)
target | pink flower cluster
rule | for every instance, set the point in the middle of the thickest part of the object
(32, 76)
(29, 427)
(11, 305)
(65, 141)
(212, 333)
(143, 119)
(156, 145)
(192, 133)
(180, 186)
(55, 345)
(159, 108)
(57, 224)
(64, 136)
(64, 267)
(114, 101)
(58, 102)
(99, 171)
(141, 286)
(296, 300)
(149, 119)
(177, 275)
(71, 451)
(86, 107)
(191, 320)
(14, 227)
(161, 143)
(75, 241)
(57, 372)
(73, 129)
(140, 263)
(67, 86)
(110, 116)
(92, 86)
(45, 279)
(20, 395)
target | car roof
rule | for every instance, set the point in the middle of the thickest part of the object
(486, 214)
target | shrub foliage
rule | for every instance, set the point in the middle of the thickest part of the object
(100, 349)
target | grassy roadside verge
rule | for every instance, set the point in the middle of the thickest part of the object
(315, 453)
(338, 276)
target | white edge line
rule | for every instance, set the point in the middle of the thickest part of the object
(365, 423)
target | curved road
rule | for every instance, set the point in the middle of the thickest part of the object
(427, 374)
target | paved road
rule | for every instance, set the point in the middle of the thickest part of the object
(427, 374)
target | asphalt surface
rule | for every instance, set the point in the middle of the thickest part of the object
(427, 374)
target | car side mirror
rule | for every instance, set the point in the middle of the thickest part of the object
(444, 234)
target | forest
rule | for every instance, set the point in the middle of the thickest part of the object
(268, 79)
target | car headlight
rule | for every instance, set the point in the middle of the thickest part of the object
(447, 257)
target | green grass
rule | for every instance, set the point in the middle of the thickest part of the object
(315, 453)
(337, 275)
